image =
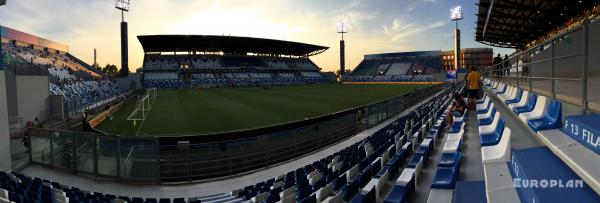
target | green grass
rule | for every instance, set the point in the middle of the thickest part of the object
(218, 110)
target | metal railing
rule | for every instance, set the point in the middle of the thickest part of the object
(186, 159)
(564, 67)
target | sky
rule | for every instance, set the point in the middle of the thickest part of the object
(375, 26)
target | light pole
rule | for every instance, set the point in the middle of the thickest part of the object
(123, 5)
(2, 3)
(456, 15)
(342, 27)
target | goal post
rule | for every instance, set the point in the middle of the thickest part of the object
(143, 107)
(152, 92)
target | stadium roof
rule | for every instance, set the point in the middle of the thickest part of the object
(226, 44)
(514, 23)
(405, 54)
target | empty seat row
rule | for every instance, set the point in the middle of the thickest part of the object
(568, 158)
(380, 157)
(538, 112)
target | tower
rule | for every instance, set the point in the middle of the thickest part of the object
(342, 28)
(456, 15)
(123, 5)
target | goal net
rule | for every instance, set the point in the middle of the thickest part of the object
(143, 107)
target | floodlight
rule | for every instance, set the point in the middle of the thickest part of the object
(122, 5)
(2, 2)
(456, 13)
(342, 27)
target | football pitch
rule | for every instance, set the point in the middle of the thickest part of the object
(185, 112)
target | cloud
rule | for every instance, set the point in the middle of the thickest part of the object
(374, 25)
(399, 32)
(415, 4)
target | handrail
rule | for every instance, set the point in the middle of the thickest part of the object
(128, 160)
(525, 73)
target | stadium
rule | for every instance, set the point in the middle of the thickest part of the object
(256, 118)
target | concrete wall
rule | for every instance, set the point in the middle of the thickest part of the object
(5, 155)
(132, 82)
(57, 110)
(11, 94)
(32, 97)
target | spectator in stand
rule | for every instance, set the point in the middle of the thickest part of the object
(473, 85)
(505, 65)
(457, 109)
(36, 123)
(497, 61)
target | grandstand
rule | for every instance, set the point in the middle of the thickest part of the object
(531, 136)
(398, 67)
(198, 61)
(80, 85)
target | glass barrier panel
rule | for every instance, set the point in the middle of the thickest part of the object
(63, 150)
(107, 155)
(372, 115)
(40, 146)
(19, 149)
(84, 152)
(139, 158)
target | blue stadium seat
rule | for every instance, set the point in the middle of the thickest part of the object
(340, 182)
(501, 91)
(350, 190)
(414, 160)
(398, 194)
(486, 109)
(394, 164)
(552, 119)
(531, 100)
(445, 177)
(405, 184)
(367, 197)
(424, 148)
(516, 99)
(483, 98)
(303, 193)
(495, 86)
(456, 127)
(488, 120)
(450, 159)
(310, 199)
(493, 138)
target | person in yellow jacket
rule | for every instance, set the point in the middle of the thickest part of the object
(473, 85)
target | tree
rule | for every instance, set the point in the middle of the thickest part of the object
(346, 72)
(110, 69)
